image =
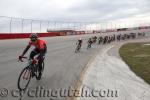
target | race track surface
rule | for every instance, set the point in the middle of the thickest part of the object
(62, 66)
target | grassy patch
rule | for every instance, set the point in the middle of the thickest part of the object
(137, 56)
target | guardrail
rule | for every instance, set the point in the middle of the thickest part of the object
(22, 25)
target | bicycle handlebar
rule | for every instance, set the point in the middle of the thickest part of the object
(20, 58)
(24, 57)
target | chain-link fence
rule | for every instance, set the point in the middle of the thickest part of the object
(21, 25)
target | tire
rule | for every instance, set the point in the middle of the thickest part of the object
(24, 71)
(43, 65)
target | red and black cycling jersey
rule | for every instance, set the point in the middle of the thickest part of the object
(39, 44)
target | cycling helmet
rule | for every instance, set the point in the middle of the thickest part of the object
(33, 37)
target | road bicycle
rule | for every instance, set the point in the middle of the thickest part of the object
(30, 71)
(89, 46)
(78, 48)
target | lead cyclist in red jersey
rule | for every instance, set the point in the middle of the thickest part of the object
(40, 50)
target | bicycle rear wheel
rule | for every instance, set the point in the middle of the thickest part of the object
(24, 78)
(43, 65)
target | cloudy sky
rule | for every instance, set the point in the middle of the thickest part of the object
(76, 10)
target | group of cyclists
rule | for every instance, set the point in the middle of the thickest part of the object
(107, 39)
(41, 48)
(35, 64)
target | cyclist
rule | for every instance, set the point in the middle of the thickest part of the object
(100, 40)
(94, 39)
(40, 50)
(89, 43)
(79, 43)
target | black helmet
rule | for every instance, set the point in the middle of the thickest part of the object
(33, 37)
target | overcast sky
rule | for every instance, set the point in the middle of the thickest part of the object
(76, 10)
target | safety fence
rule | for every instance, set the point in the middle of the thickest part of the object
(21, 25)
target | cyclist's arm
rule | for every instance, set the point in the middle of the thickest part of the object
(25, 50)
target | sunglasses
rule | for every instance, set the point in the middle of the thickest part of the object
(33, 39)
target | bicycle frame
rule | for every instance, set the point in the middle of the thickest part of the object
(78, 48)
(31, 61)
(28, 71)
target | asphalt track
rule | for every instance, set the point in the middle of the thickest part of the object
(62, 66)
(108, 72)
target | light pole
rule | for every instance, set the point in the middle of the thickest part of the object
(40, 26)
(22, 25)
(31, 25)
(10, 25)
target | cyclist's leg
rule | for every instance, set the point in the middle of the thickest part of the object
(32, 55)
(77, 48)
(80, 46)
(40, 61)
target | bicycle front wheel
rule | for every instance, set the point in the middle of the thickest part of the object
(24, 78)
